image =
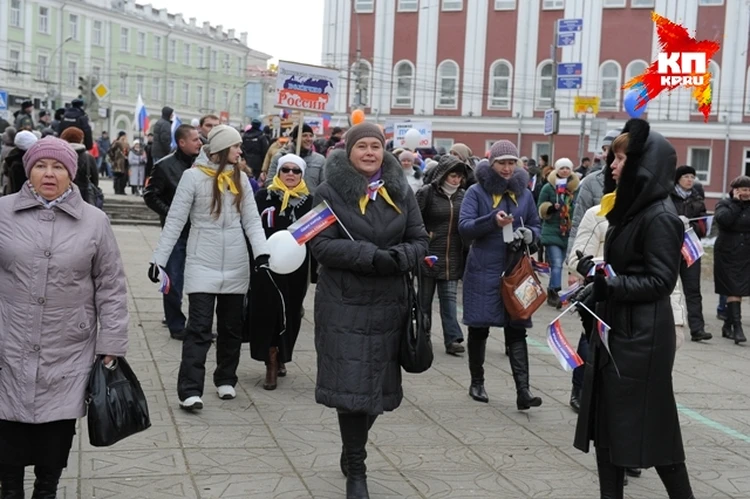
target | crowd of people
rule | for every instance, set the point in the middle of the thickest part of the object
(447, 216)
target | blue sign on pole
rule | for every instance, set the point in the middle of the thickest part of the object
(569, 25)
(569, 82)
(569, 68)
(566, 39)
(3, 100)
(549, 121)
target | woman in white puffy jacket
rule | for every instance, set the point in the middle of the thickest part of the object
(215, 197)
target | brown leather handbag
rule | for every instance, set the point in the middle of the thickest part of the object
(521, 290)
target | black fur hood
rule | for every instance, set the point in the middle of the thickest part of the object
(495, 184)
(352, 185)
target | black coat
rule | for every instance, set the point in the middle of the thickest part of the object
(266, 321)
(162, 185)
(77, 117)
(440, 214)
(694, 206)
(13, 168)
(732, 248)
(359, 315)
(634, 414)
(254, 147)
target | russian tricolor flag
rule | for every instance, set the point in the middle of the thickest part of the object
(175, 123)
(560, 346)
(313, 223)
(142, 122)
(692, 249)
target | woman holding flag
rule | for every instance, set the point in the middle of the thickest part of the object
(275, 325)
(628, 407)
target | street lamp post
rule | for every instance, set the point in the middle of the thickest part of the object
(50, 89)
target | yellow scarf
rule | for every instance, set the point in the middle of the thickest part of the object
(496, 198)
(224, 179)
(299, 191)
(608, 202)
(372, 195)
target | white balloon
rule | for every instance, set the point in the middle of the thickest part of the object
(286, 254)
(412, 139)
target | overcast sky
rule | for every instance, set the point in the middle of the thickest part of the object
(291, 30)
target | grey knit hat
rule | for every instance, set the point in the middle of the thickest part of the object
(503, 149)
(222, 137)
(362, 131)
(611, 136)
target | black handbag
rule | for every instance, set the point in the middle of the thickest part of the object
(117, 407)
(415, 352)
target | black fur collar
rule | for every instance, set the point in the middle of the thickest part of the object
(495, 184)
(352, 185)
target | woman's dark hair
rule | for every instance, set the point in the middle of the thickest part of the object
(222, 159)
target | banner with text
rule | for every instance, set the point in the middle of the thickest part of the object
(400, 129)
(306, 88)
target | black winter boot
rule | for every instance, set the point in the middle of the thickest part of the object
(575, 399)
(477, 348)
(45, 485)
(611, 477)
(354, 429)
(11, 482)
(342, 460)
(519, 364)
(553, 298)
(727, 331)
(734, 311)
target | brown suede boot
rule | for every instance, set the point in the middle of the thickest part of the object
(272, 369)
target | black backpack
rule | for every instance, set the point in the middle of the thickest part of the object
(254, 144)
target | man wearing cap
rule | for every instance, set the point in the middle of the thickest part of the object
(24, 120)
(254, 147)
(45, 120)
(314, 160)
(75, 116)
(335, 138)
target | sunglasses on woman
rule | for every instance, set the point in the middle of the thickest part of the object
(296, 171)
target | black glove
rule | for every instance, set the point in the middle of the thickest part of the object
(601, 292)
(585, 263)
(585, 296)
(552, 210)
(153, 273)
(261, 263)
(384, 263)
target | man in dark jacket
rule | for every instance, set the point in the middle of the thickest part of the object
(75, 116)
(24, 119)
(254, 147)
(314, 174)
(160, 191)
(583, 170)
(162, 134)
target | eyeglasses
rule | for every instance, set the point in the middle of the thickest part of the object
(296, 171)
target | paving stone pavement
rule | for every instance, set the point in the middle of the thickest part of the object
(438, 444)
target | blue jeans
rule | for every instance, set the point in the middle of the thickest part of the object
(175, 269)
(722, 303)
(447, 293)
(555, 256)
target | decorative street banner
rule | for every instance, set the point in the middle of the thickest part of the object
(400, 129)
(306, 88)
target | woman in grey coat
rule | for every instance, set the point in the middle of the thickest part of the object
(361, 308)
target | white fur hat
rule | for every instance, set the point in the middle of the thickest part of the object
(563, 163)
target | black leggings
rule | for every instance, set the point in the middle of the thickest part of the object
(611, 478)
(512, 334)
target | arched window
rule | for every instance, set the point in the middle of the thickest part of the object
(501, 72)
(403, 84)
(365, 79)
(544, 86)
(635, 68)
(713, 68)
(447, 85)
(609, 85)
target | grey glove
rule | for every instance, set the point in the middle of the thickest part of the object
(524, 234)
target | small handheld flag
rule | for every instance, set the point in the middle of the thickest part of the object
(604, 267)
(313, 223)
(430, 260)
(692, 249)
(540, 267)
(567, 294)
(560, 346)
(268, 215)
(165, 283)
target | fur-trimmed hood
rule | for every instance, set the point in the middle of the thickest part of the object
(573, 181)
(352, 185)
(648, 174)
(446, 165)
(495, 184)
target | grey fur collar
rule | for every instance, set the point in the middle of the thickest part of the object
(352, 185)
(495, 184)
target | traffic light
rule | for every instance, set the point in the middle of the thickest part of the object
(86, 92)
(84, 89)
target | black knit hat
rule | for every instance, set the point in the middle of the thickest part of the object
(305, 129)
(683, 170)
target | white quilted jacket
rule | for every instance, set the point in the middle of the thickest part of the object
(217, 256)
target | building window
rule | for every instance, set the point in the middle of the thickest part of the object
(140, 85)
(640, 4)
(635, 68)
(614, 3)
(186, 94)
(157, 47)
(239, 67)
(124, 82)
(365, 81)
(213, 62)
(72, 73)
(42, 63)
(170, 92)
(199, 97)
(212, 98)
(713, 68)
(43, 20)
(201, 58)
(73, 22)
(453, 5)
(446, 143)
(172, 51)
(500, 78)
(96, 72)
(14, 56)
(124, 40)
(140, 44)
(186, 47)
(706, 3)
(227, 64)
(505, 4)
(225, 100)
(609, 85)
(15, 14)
(364, 6)
(553, 4)
(96, 34)
(156, 89)
(539, 149)
(408, 5)
(700, 159)
(544, 86)
(447, 85)
(746, 161)
(404, 85)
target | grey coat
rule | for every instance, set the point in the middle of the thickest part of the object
(60, 274)
(360, 316)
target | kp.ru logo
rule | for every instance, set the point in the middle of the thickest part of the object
(681, 62)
